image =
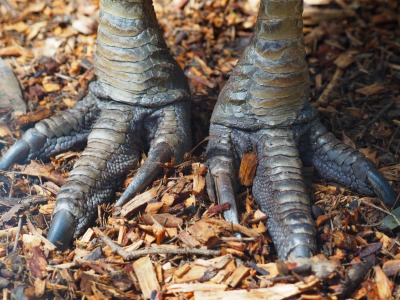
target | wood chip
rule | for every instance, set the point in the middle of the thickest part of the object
(188, 240)
(384, 284)
(87, 237)
(182, 270)
(146, 276)
(139, 201)
(235, 227)
(277, 292)
(206, 233)
(392, 267)
(370, 90)
(34, 116)
(195, 273)
(248, 167)
(237, 276)
(166, 220)
(192, 287)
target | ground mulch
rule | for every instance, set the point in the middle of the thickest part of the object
(171, 242)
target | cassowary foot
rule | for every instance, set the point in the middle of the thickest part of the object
(278, 186)
(116, 134)
(140, 101)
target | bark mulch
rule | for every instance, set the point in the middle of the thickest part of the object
(171, 242)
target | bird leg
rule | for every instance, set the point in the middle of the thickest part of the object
(140, 101)
(264, 108)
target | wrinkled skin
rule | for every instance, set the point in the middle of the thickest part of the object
(140, 101)
(263, 108)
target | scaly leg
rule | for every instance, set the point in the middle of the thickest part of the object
(139, 101)
(264, 108)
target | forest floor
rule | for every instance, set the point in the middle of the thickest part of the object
(172, 239)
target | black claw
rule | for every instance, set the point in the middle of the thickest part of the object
(381, 187)
(62, 229)
(18, 152)
(146, 173)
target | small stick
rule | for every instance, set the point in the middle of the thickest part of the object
(157, 250)
(17, 235)
(324, 96)
(386, 211)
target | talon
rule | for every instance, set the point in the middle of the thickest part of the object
(336, 162)
(223, 184)
(31, 142)
(18, 152)
(62, 229)
(381, 187)
(146, 173)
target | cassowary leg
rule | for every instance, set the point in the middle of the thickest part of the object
(266, 98)
(143, 100)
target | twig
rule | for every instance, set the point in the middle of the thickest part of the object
(17, 235)
(386, 211)
(157, 250)
(324, 96)
(238, 239)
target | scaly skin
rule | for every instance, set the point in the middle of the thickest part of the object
(139, 101)
(264, 108)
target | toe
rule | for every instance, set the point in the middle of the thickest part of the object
(281, 194)
(220, 160)
(68, 130)
(158, 155)
(169, 139)
(334, 161)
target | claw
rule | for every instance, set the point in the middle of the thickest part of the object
(31, 142)
(223, 184)
(62, 229)
(160, 154)
(381, 187)
(17, 152)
